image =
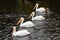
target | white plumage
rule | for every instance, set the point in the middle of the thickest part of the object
(36, 17)
(25, 24)
(21, 33)
(40, 11)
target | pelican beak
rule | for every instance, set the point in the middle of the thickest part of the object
(30, 15)
(20, 20)
(34, 7)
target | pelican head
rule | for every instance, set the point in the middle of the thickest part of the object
(36, 6)
(32, 14)
(20, 20)
(46, 8)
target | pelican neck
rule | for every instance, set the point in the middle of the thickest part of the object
(22, 22)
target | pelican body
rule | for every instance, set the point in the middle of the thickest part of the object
(25, 24)
(36, 17)
(20, 32)
(20, 35)
(41, 10)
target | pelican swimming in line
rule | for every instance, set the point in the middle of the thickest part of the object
(20, 32)
(25, 24)
(41, 10)
(36, 17)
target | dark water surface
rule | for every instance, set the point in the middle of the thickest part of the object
(48, 29)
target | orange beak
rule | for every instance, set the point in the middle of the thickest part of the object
(30, 15)
(18, 22)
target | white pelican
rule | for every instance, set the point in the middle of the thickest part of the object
(25, 24)
(41, 10)
(36, 17)
(20, 32)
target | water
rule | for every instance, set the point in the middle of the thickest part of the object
(48, 29)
